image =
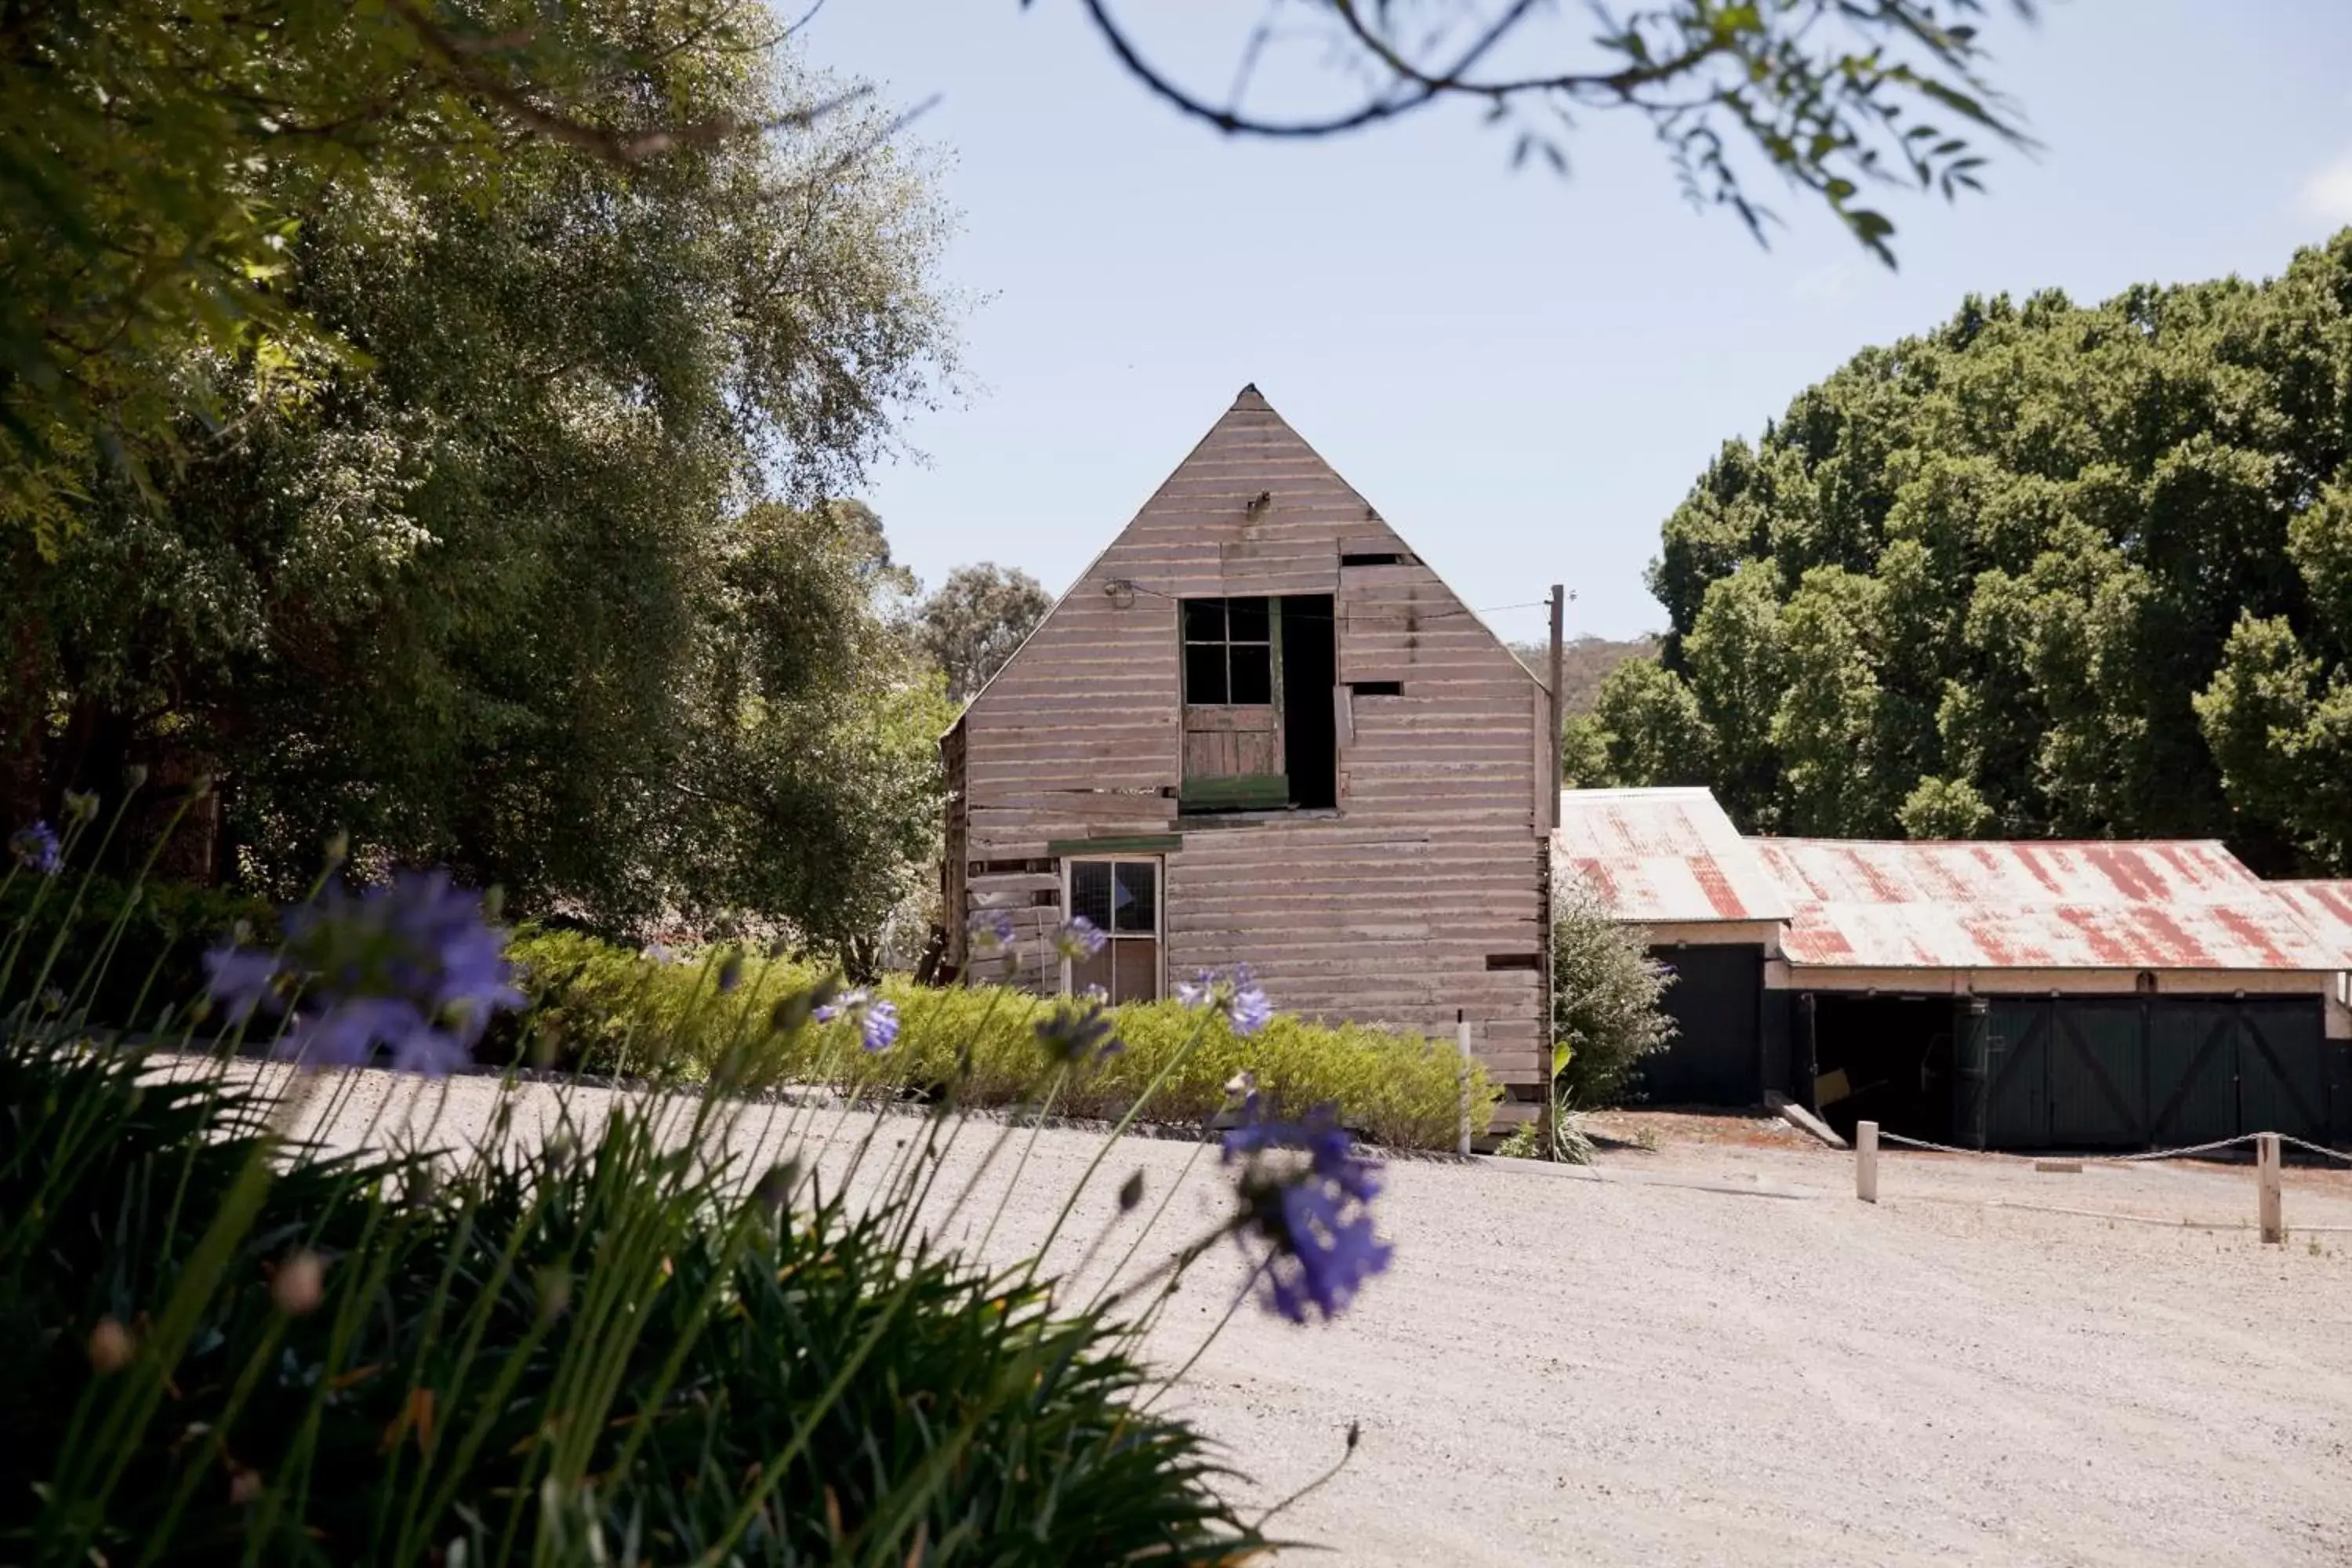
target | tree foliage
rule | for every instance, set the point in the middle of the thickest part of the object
(972, 622)
(2049, 570)
(532, 572)
(159, 162)
(1607, 991)
(1838, 97)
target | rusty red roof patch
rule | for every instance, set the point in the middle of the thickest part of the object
(1663, 857)
(1671, 856)
(2184, 904)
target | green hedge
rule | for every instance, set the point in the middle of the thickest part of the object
(158, 956)
(616, 1011)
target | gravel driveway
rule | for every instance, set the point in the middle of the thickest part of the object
(1712, 1355)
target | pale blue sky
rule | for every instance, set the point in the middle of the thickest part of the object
(1523, 373)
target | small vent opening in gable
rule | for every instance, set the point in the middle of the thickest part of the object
(1380, 558)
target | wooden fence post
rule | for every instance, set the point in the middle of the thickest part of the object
(1461, 1072)
(1865, 1160)
(2266, 1186)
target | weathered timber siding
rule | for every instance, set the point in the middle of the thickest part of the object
(1386, 910)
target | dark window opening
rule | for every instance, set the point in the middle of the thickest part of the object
(1310, 669)
(1007, 868)
(1228, 652)
(1515, 961)
(1260, 729)
(1378, 558)
(1377, 688)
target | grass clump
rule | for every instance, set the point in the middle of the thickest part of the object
(620, 1343)
(625, 1012)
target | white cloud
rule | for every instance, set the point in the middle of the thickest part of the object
(2327, 194)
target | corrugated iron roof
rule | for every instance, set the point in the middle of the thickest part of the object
(1660, 856)
(2325, 910)
(2086, 905)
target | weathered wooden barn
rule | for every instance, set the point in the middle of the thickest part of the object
(1260, 729)
(1995, 994)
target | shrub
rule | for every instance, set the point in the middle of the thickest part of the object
(347, 1360)
(1605, 1010)
(622, 1012)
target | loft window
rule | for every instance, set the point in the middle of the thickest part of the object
(1228, 652)
(1259, 726)
(1122, 897)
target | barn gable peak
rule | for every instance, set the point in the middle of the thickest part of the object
(1253, 509)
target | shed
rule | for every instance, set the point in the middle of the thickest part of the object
(1670, 862)
(2085, 994)
(2018, 994)
(1260, 728)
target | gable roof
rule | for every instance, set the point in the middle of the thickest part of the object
(2107, 904)
(1205, 505)
(1659, 856)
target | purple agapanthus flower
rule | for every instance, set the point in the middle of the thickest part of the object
(35, 846)
(1078, 939)
(991, 929)
(877, 1020)
(1233, 993)
(413, 968)
(1306, 1197)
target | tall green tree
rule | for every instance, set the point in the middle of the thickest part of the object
(159, 161)
(528, 565)
(2051, 569)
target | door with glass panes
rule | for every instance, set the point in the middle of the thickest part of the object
(1122, 897)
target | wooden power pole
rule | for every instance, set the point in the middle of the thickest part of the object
(1548, 819)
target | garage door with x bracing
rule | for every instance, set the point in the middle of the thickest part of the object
(2096, 1072)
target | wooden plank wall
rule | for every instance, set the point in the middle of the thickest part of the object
(1383, 912)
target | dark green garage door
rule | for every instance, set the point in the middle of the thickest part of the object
(2095, 1072)
(1716, 1055)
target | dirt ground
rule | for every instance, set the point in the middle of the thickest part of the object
(1709, 1352)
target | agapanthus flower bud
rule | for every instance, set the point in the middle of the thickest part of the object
(1076, 1031)
(110, 1347)
(299, 1283)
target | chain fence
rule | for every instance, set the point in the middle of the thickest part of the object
(2136, 1158)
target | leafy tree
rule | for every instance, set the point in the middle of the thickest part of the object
(158, 162)
(1583, 752)
(541, 586)
(1654, 730)
(972, 622)
(1605, 1004)
(1837, 97)
(2051, 569)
